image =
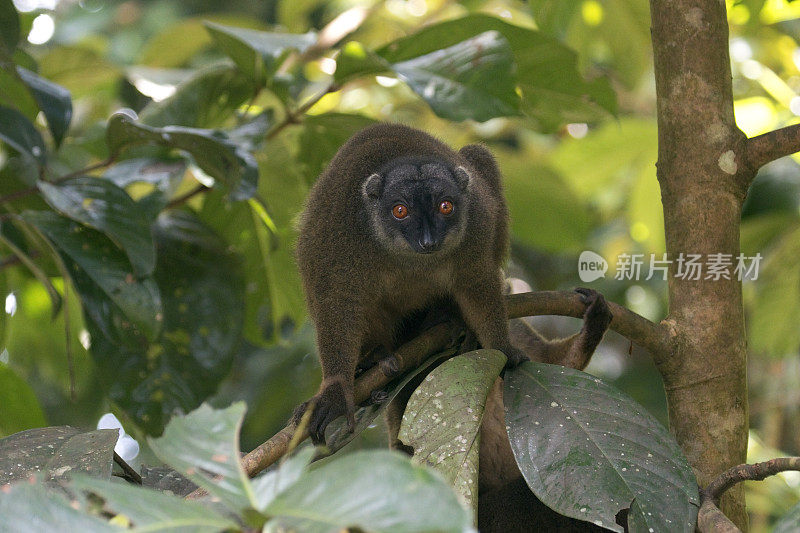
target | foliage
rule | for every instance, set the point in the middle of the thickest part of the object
(154, 157)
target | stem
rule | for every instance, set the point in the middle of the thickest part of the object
(31, 190)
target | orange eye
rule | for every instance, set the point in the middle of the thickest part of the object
(400, 211)
(446, 207)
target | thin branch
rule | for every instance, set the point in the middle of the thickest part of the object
(710, 518)
(772, 145)
(180, 200)
(294, 117)
(656, 338)
(130, 474)
(31, 190)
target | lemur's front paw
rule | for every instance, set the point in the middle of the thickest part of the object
(597, 315)
(332, 401)
(515, 356)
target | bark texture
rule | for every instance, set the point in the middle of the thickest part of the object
(703, 180)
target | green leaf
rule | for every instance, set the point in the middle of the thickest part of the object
(205, 100)
(268, 486)
(322, 136)
(788, 522)
(204, 447)
(21, 409)
(154, 510)
(14, 93)
(588, 451)
(355, 61)
(442, 420)
(90, 252)
(9, 26)
(165, 173)
(553, 90)
(474, 79)
(20, 134)
(202, 295)
(53, 100)
(553, 16)
(257, 53)
(105, 207)
(379, 491)
(27, 507)
(57, 452)
(211, 150)
(82, 71)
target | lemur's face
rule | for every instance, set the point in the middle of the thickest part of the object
(418, 207)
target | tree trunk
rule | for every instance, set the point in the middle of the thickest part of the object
(703, 183)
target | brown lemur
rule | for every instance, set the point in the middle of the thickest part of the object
(397, 224)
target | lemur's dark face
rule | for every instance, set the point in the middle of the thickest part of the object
(418, 207)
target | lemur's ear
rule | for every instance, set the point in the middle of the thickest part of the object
(373, 186)
(462, 178)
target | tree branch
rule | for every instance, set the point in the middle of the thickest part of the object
(710, 518)
(656, 338)
(772, 145)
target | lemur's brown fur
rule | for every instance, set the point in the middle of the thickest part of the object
(361, 291)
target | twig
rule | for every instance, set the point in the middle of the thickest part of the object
(180, 200)
(294, 117)
(130, 474)
(710, 518)
(772, 145)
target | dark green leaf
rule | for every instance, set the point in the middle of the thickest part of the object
(355, 61)
(88, 251)
(442, 420)
(165, 173)
(21, 409)
(14, 93)
(257, 53)
(204, 447)
(474, 79)
(53, 100)
(57, 452)
(589, 451)
(788, 522)
(202, 293)
(20, 134)
(379, 491)
(153, 510)
(213, 152)
(9, 26)
(27, 507)
(107, 208)
(553, 89)
(205, 100)
(323, 135)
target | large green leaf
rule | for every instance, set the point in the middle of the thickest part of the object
(9, 26)
(379, 491)
(257, 53)
(442, 420)
(213, 152)
(589, 451)
(53, 100)
(202, 293)
(204, 447)
(164, 173)
(205, 100)
(553, 90)
(21, 409)
(269, 485)
(152, 510)
(474, 79)
(20, 134)
(27, 507)
(89, 252)
(82, 71)
(14, 93)
(107, 208)
(57, 452)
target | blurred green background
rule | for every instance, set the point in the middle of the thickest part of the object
(579, 175)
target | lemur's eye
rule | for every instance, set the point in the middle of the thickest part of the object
(400, 211)
(446, 207)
